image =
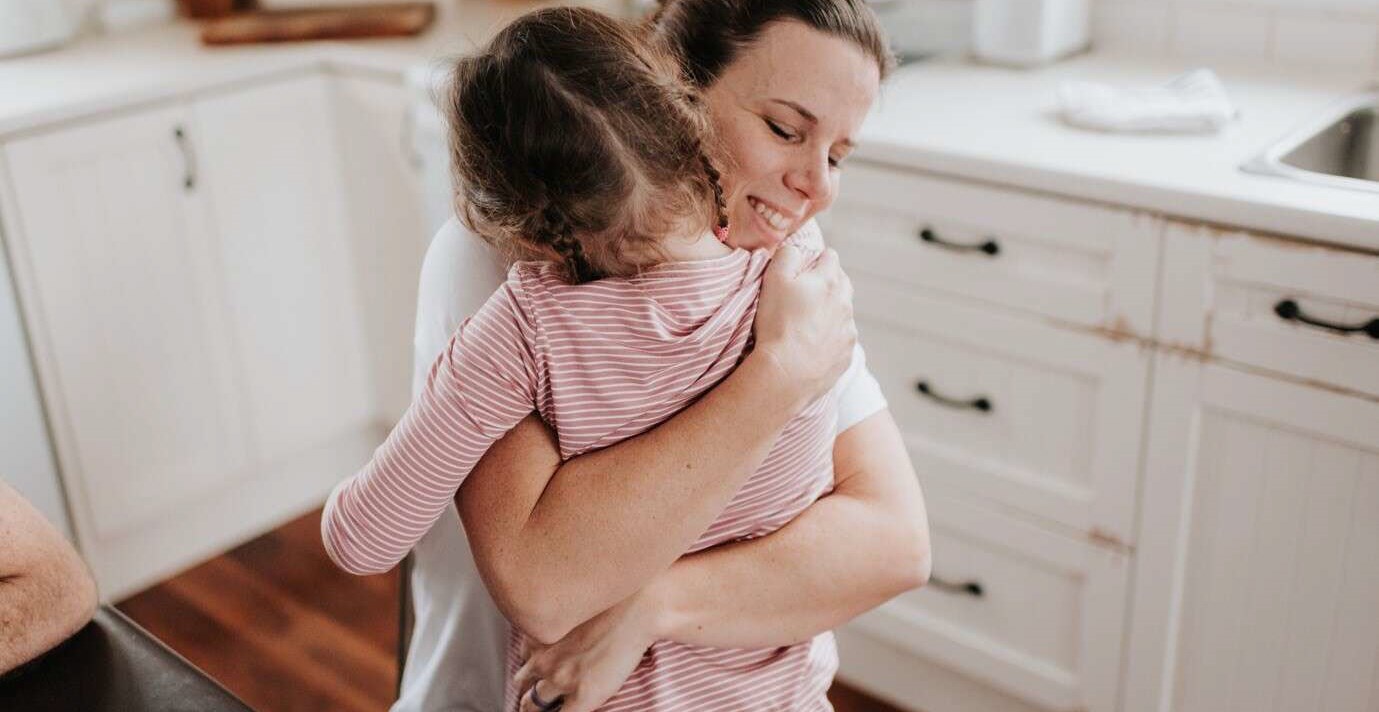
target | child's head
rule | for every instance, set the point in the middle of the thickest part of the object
(573, 140)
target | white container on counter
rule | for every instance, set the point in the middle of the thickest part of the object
(32, 25)
(926, 28)
(1028, 33)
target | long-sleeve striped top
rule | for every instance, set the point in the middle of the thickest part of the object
(601, 362)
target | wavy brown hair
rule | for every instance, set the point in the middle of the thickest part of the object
(574, 140)
(708, 35)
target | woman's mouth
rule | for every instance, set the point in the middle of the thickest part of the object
(770, 216)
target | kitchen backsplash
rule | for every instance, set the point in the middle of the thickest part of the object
(1322, 33)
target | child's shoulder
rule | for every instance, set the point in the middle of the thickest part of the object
(535, 275)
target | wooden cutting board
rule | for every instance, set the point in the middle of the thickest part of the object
(350, 21)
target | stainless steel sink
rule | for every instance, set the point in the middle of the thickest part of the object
(1338, 149)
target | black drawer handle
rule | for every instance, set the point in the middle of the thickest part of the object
(981, 403)
(1288, 310)
(188, 158)
(968, 588)
(989, 247)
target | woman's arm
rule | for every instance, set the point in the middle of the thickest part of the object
(849, 552)
(557, 550)
(557, 546)
(720, 597)
(46, 591)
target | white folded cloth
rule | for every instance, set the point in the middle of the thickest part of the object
(1194, 102)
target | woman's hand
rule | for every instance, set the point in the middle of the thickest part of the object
(588, 666)
(804, 321)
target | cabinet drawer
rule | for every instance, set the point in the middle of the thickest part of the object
(1250, 299)
(1076, 262)
(1042, 419)
(1029, 612)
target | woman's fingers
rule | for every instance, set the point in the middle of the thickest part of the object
(547, 693)
(533, 674)
(827, 263)
(525, 676)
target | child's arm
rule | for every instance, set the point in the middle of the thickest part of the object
(478, 389)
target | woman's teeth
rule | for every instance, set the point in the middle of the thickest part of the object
(773, 218)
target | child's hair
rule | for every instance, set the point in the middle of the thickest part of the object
(574, 140)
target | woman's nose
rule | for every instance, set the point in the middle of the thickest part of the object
(811, 180)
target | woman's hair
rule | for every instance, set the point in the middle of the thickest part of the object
(573, 140)
(708, 35)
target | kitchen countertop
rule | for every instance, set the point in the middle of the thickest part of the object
(998, 125)
(989, 124)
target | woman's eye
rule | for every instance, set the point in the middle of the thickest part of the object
(779, 130)
(835, 162)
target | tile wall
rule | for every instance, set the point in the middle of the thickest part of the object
(1341, 34)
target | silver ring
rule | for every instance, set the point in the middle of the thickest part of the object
(543, 705)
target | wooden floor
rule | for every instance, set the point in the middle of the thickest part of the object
(280, 626)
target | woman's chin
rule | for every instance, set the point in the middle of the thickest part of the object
(755, 234)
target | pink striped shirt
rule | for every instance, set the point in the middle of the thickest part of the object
(601, 362)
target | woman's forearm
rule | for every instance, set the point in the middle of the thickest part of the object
(638, 504)
(851, 551)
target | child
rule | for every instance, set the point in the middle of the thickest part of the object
(580, 150)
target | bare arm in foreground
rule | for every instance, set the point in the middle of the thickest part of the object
(46, 591)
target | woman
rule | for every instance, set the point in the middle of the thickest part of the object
(577, 553)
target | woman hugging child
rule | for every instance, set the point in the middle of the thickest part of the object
(582, 154)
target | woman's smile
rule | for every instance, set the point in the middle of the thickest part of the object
(772, 218)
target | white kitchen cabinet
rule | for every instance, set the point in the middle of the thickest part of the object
(1248, 299)
(1010, 333)
(382, 179)
(115, 256)
(188, 282)
(1258, 579)
(26, 454)
(274, 180)
(1034, 614)
(1078, 263)
(1011, 409)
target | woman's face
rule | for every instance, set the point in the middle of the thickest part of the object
(787, 111)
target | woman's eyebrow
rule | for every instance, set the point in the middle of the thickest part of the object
(809, 116)
(806, 113)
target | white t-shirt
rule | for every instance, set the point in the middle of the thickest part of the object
(456, 657)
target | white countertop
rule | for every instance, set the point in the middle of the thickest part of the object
(998, 125)
(983, 123)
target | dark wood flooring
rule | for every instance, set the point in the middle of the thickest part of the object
(280, 626)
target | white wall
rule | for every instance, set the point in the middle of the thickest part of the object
(1321, 33)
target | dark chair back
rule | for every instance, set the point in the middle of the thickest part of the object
(405, 618)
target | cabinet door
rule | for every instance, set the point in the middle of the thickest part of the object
(115, 260)
(275, 185)
(1258, 581)
(978, 614)
(382, 180)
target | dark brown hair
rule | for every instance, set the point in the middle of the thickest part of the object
(573, 140)
(707, 35)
